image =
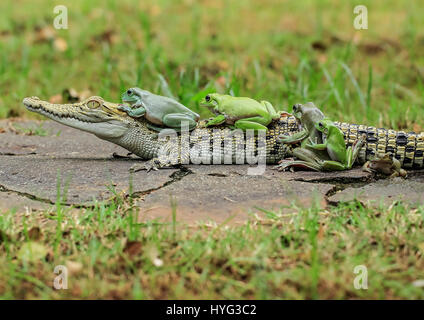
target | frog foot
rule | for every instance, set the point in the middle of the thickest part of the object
(285, 165)
(124, 107)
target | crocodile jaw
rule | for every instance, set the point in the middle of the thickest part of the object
(104, 123)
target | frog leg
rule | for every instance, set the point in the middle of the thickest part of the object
(398, 169)
(385, 164)
(308, 159)
(317, 146)
(316, 161)
(255, 123)
(366, 167)
(153, 127)
(331, 165)
(245, 125)
(351, 155)
(285, 164)
(138, 112)
(399, 172)
(174, 120)
(294, 138)
(270, 108)
(307, 155)
(353, 151)
(219, 119)
(124, 107)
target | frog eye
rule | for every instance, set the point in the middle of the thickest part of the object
(320, 125)
(93, 104)
(294, 108)
(208, 98)
(129, 92)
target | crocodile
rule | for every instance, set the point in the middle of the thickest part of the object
(105, 120)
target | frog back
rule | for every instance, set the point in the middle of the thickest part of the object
(242, 107)
(159, 105)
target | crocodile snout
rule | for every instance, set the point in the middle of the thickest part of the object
(30, 102)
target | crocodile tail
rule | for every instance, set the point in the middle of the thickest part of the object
(407, 147)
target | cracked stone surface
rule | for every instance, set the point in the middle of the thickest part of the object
(220, 193)
(15, 202)
(84, 161)
(29, 165)
(84, 178)
(386, 191)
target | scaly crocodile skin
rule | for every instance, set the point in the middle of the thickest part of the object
(408, 148)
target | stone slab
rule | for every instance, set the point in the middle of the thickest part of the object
(385, 191)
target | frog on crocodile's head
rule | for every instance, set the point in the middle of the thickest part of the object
(159, 110)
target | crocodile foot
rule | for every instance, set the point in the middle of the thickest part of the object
(150, 165)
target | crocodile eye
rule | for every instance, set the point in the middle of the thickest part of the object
(93, 104)
(208, 98)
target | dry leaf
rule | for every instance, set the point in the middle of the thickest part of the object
(223, 65)
(60, 44)
(108, 36)
(34, 233)
(4, 237)
(5, 34)
(133, 248)
(2, 130)
(57, 98)
(70, 95)
(155, 10)
(371, 48)
(73, 267)
(322, 58)
(417, 128)
(356, 37)
(45, 34)
(221, 81)
(32, 252)
(321, 232)
(85, 94)
(318, 45)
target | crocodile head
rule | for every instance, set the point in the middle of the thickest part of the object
(93, 115)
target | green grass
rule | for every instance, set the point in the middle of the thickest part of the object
(281, 51)
(310, 254)
(284, 52)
